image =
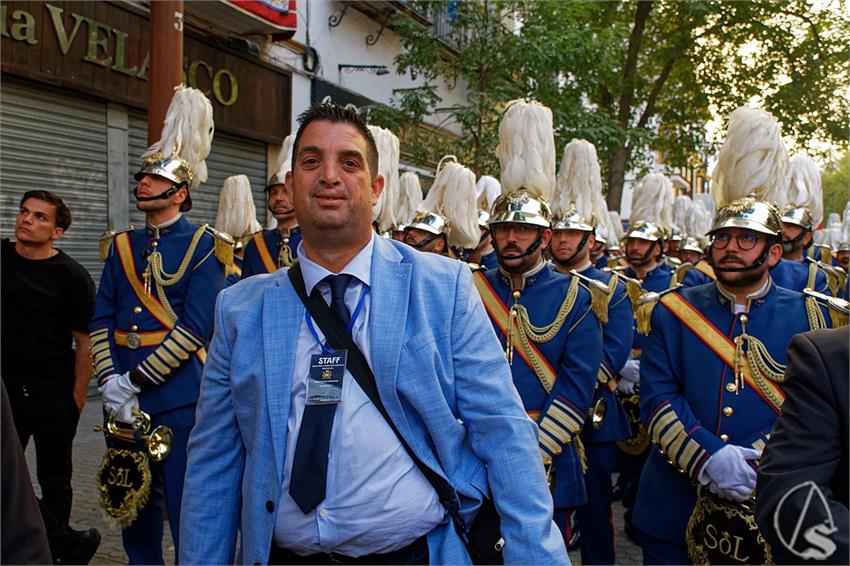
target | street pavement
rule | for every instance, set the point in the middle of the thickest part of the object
(88, 451)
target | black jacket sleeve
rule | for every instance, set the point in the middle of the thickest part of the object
(801, 495)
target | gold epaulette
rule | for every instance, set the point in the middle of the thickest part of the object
(600, 294)
(643, 309)
(673, 262)
(839, 310)
(104, 242)
(682, 270)
(224, 247)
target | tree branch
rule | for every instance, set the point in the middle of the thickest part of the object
(641, 15)
(677, 52)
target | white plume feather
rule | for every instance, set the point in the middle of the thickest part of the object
(845, 225)
(410, 197)
(237, 214)
(804, 186)
(579, 182)
(752, 161)
(616, 225)
(452, 196)
(652, 200)
(526, 149)
(697, 220)
(388, 156)
(680, 212)
(487, 190)
(284, 164)
(187, 131)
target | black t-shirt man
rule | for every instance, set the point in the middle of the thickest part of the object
(43, 301)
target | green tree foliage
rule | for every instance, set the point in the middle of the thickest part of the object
(836, 185)
(634, 78)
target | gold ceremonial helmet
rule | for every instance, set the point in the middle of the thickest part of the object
(522, 208)
(749, 213)
(675, 234)
(173, 168)
(572, 220)
(430, 222)
(691, 244)
(798, 216)
(275, 179)
(650, 231)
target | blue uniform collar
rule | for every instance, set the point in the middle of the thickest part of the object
(756, 299)
(174, 225)
(528, 278)
(654, 272)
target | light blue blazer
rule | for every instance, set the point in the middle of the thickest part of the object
(441, 375)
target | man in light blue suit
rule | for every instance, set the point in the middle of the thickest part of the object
(440, 374)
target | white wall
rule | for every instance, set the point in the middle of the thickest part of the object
(346, 45)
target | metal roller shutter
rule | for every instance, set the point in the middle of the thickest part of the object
(230, 155)
(50, 140)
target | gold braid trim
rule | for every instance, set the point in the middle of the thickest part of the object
(284, 257)
(546, 333)
(582, 455)
(813, 312)
(164, 279)
(762, 366)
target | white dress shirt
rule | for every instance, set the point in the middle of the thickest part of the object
(376, 499)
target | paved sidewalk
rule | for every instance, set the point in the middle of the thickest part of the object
(88, 451)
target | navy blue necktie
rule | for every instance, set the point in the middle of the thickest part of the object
(310, 466)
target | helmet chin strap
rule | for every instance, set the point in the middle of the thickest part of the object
(425, 241)
(648, 253)
(756, 264)
(162, 196)
(531, 249)
(578, 250)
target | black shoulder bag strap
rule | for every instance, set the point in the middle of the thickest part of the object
(359, 368)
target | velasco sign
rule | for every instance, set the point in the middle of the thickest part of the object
(101, 48)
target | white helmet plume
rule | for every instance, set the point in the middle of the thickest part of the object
(284, 165)
(680, 212)
(187, 131)
(697, 220)
(452, 196)
(752, 161)
(526, 149)
(388, 156)
(487, 189)
(652, 201)
(616, 225)
(237, 214)
(804, 187)
(579, 182)
(410, 197)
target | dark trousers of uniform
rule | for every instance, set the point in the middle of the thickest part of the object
(657, 551)
(143, 539)
(45, 411)
(594, 517)
(630, 470)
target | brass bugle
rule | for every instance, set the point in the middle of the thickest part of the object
(157, 442)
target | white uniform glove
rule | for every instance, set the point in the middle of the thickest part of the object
(125, 413)
(729, 474)
(119, 396)
(629, 377)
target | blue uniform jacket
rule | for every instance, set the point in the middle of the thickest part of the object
(172, 360)
(489, 261)
(616, 344)
(575, 353)
(794, 275)
(690, 404)
(252, 264)
(602, 262)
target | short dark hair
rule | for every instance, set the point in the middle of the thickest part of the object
(63, 213)
(335, 113)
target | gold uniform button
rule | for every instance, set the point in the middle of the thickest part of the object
(727, 411)
(724, 437)
(137, 310)
(731, 387)
(517, 294)
(134, 328)
(154, 244)
(286, 240)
